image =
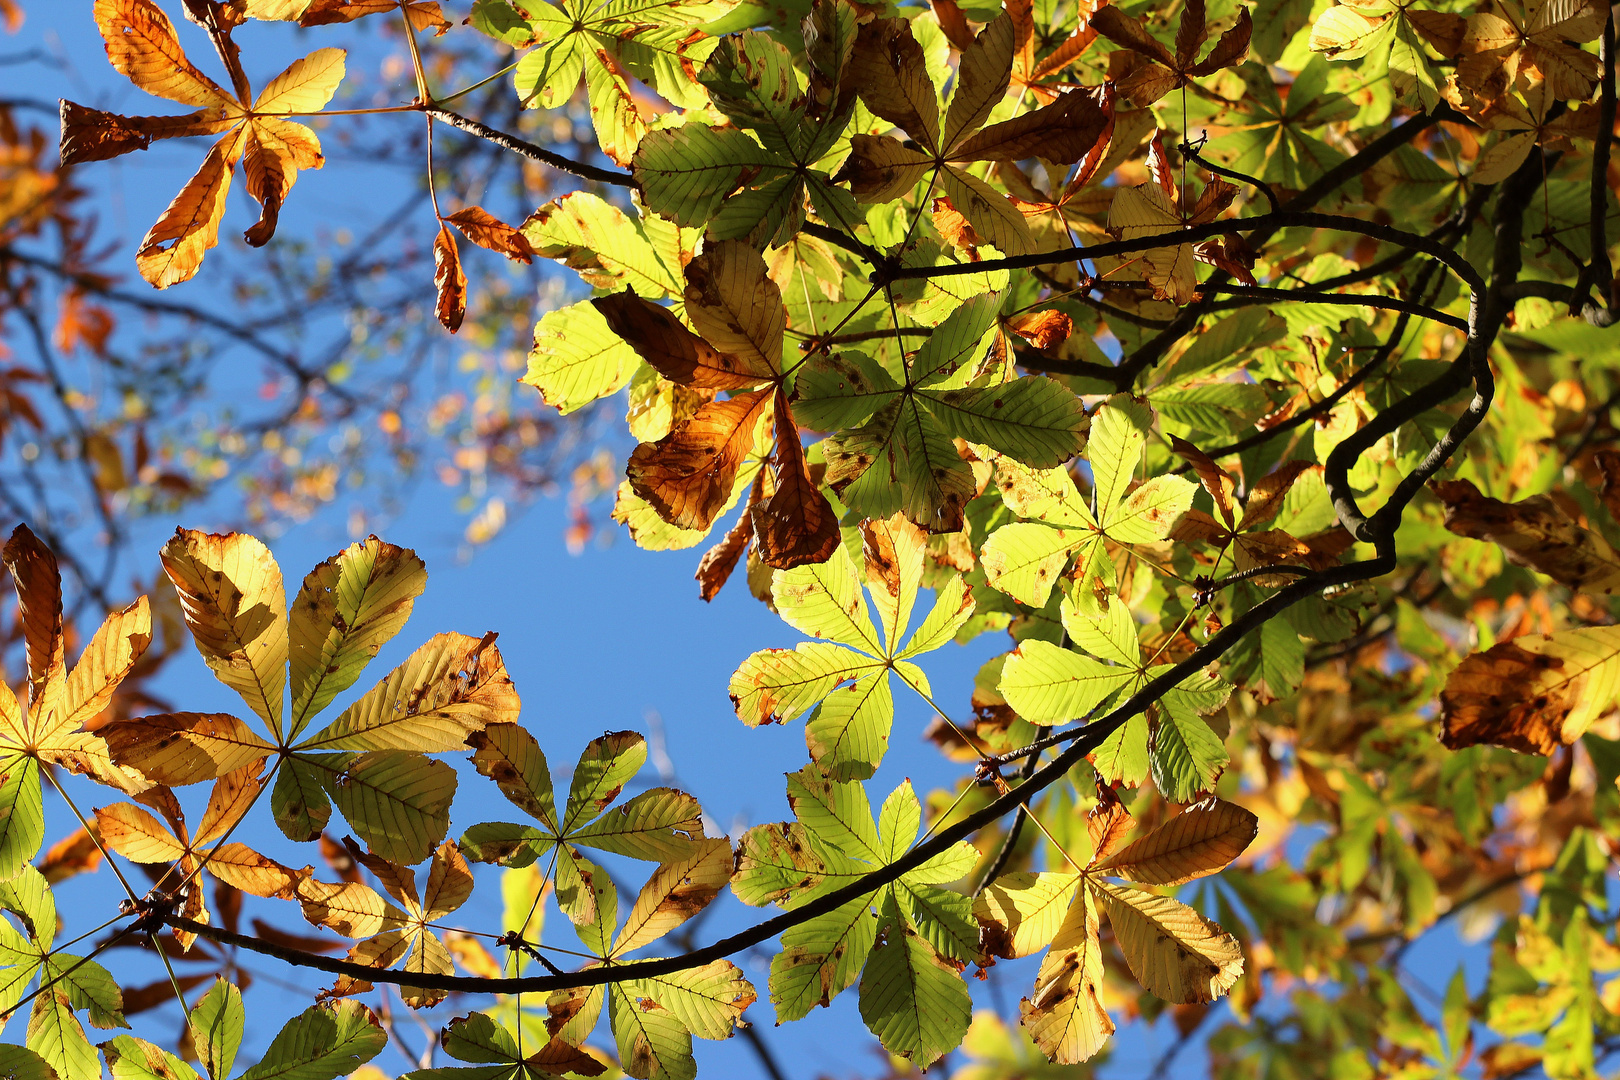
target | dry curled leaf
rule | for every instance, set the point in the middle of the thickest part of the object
(449, 279)
(1535, 533)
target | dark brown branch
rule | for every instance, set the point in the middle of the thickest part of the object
(1250, 295)
(1232, 174)
(1283, 219)
(528, 149)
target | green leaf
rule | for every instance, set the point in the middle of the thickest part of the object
(901, 462)
(708, 1001)
(321, 1043)
(29, 896)
(348, 608)
(1048, 685)
(1024, 559)
(605, 766)
(88, 985)
(820, 958)
(824, 601)
(1123, 756)
(848, 733)
(22, 814)
(841, 390)
(577, 359)
(750, 79)
(914, 1002)
(398, 802)
(952, 351)
(776, 864)
(548, 76)
(298, 800)
(217, 1022)
(653, 1044)
(776, 685)
(658, 825)
(835, 814)
(128, 1057)
(610, 249)
(686, 173)
(1034, 419)
(56, 1035)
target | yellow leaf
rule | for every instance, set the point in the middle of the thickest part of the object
(449, 884)
(449, 688)
(348, 608)
(234, 602)
(350, 908)
(1065, 1015)
(305, 87)
(1200, 840)
(244, 868)
(1020, 914)
(105, 662)
(136, 834)
(675, 892)
(1174, 952)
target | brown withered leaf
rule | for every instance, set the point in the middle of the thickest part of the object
(488, 231)
(1027, 71)
(1534, 693)
(423, 14)
(1534, 533)
(887, 69)
(1511, 42)
(1211, 476)
(715, 568)
(1161, 71)
(796, 525)
(675, 352)
(687, 476)
(449, 279)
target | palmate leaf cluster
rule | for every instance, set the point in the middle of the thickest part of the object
(1249, 366)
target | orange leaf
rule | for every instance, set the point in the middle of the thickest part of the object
(141, 45)
(715, 568)
(488, 231)
(173, 248)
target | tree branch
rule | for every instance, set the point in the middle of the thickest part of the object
(528, 149)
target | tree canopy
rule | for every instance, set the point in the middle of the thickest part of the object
(1246, 372)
